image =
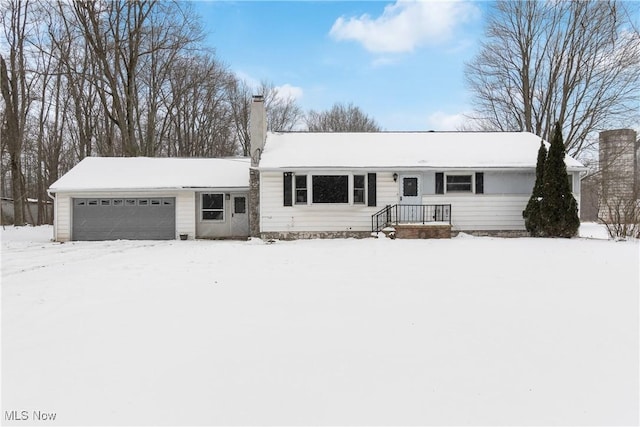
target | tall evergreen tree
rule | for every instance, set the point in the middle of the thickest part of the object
(531, 214)
(558, 209)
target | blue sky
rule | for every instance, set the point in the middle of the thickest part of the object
(401, 62)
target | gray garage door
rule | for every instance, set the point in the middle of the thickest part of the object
(124, 218)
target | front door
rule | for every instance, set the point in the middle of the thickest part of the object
(410, 199)
(239, 216)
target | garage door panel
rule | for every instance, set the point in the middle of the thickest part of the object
(124, 218)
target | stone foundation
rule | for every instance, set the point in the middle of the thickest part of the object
(298, 235)
(423, 231)
(495, 233)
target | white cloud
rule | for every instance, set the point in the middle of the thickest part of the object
(286, 91)
(405, 25)
(440, 121)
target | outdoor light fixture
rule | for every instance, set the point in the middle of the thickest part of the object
(395, 177)
(228, 196)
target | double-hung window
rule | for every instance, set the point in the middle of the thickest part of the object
(301, 189)
(212, 207)
(358, 189)
(459, 184)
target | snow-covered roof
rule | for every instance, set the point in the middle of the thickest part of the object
(403, 150)
(135, 173)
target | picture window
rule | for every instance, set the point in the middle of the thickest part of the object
(330, 188)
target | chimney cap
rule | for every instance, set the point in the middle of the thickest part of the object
(258, 98)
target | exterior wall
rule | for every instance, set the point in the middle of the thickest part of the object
(185, 205)
(216, 229)
(62, 218)
(185, 217)
(319, 219)
(499, 209)
(482, 211)
(495, 182)
(509, 182)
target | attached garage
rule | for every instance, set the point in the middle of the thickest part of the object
(124, 218)
(140, 198)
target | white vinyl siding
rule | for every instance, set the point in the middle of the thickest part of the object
(275, 217)
(509, 182)
(483, 212)
(62, 219)
(185, 216)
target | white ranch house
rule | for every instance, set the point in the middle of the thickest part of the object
(318, 184)
(305, 185)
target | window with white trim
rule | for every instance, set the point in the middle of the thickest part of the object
(358, 189)
(301, 189)
(459, 183)
(212, 206)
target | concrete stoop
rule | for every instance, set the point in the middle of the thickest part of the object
(423, 231)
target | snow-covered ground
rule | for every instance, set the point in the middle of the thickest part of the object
(467, 331)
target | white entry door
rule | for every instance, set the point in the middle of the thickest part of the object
(410, 198)
(410, 190)
(239, 216)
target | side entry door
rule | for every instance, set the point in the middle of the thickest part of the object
(239, 216)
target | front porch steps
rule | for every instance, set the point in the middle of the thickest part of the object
(434, 230)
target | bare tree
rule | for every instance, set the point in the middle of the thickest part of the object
(240, 103)
(133, 45)
(15, 87)
(283, 111)
(341, 118)
(575, 62)
(200, 117)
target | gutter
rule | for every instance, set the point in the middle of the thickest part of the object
(409, 168)
(143, 190)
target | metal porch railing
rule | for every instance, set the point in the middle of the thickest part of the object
(409, 214)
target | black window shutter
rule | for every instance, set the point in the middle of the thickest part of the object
(479, 182)
(371, 189)
(439, 183)
(288, 190)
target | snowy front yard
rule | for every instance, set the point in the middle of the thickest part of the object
(467, 331)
